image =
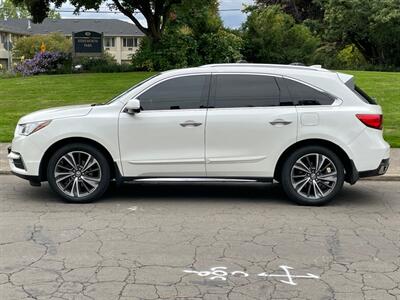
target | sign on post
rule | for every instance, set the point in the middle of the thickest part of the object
(87, 43)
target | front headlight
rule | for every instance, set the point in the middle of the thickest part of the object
(29, 128)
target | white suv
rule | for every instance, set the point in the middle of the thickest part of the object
(308, 128)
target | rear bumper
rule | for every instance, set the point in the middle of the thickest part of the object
(381, 170)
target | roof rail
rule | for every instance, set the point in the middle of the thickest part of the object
(277, 66)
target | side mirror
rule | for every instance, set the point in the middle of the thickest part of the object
(133, 106)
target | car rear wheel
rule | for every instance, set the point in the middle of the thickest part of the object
(79, 173)
(312, 175)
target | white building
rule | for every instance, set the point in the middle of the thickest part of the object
(8, 36)
(121, 39)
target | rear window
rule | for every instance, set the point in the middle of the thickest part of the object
(364, 96)
(296, 93)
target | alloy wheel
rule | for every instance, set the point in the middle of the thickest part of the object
(77, 174)
(314, 176)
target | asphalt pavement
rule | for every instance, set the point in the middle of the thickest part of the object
(199, 241)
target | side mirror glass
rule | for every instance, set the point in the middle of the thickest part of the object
(133, 106)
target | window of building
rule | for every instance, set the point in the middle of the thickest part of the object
(296, 93)
(245, 91)
(109, 42)
(3, 38)
(128, 42)
(189, 92)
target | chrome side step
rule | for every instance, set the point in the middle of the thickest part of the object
(194, 179)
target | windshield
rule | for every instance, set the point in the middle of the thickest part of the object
(130, 89)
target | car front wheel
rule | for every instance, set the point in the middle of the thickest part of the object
(312, 175)
(79, 173)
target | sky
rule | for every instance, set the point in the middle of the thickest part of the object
(232, 19)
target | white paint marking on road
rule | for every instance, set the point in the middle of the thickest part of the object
(289, 276)
(217, 272)
(221, 273)
(133, 208)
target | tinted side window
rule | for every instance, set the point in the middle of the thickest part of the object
(297, 93)
(187, 92)
(245, 91)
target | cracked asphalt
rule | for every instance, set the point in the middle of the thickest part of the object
(137, 242)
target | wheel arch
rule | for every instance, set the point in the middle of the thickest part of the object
(57, 145)
(351, 175)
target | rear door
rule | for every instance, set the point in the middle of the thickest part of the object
(247, 129)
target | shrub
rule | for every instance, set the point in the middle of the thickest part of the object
(332, 57)
(46, 62)
(7, 74)
(272, 36)
(326, 55)
(220, 47)
(175, 50)
(351, 58)
(103, 64)
(180, 48)
(27, 47)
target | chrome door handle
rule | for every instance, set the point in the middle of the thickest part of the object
(190, 123)
(280, 122)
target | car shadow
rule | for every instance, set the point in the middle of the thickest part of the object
(211, 192)
(354, 196)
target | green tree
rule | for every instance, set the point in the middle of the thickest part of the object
(27, 47)
(201, 16)
(300, 10)
(8, 10)
(373, 26)
(272, 36)
(215, 43)
(194, 35)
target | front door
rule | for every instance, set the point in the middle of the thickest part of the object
(167, 137)
(247, 129)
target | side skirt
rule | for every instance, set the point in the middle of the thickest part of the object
(198, 179)
(119, 179)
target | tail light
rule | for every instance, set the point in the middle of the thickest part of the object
(373, 121)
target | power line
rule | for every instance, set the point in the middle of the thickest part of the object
(118, 12)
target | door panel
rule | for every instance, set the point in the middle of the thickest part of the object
(241, 141)
(247, 130)
(167, 137)
(154, 143)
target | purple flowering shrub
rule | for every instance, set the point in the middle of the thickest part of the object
(42, 62)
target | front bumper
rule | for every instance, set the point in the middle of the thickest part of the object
(15, 160)
(18, 167)
(381, 170)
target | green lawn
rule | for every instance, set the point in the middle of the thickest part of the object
(19, 96)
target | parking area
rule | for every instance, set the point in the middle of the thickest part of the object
(199, 241)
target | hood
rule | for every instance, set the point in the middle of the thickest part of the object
(57, 113)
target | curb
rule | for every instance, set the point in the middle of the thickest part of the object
(376, 178)
(382, 178)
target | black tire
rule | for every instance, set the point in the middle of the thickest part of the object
(104, 173)
(286, 176)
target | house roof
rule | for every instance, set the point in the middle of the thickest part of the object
(4, 28)
(109, 27)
